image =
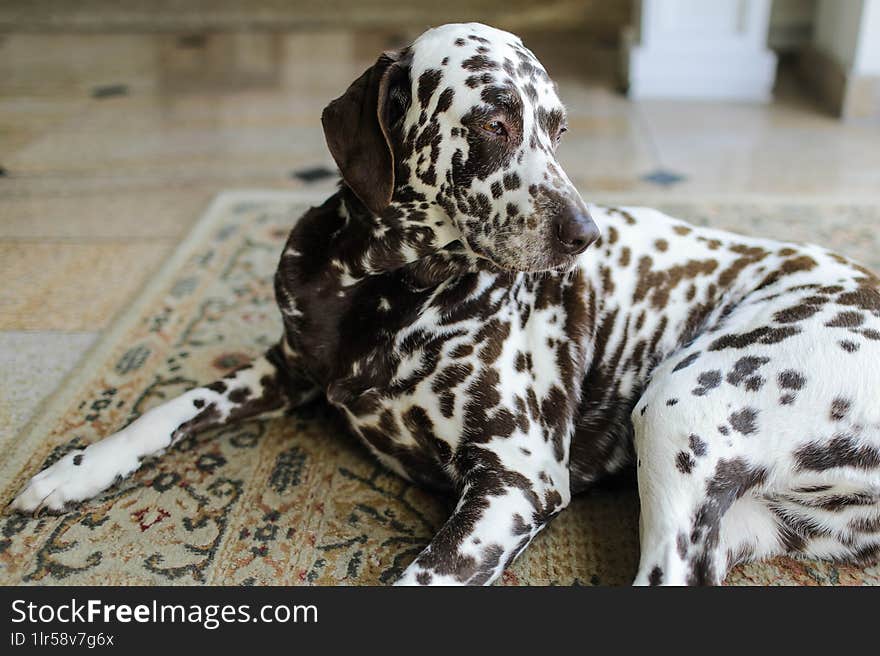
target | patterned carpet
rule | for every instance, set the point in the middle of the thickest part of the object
(294, 500)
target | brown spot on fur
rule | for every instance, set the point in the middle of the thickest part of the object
(697, 445)
(796, 313)
(749, 255)
(744, 368)
(239, 395)
(865, 524)
(428, 82)
(658, 284)
(707, 380)
(846, 320)
(688, 361)
(840, 408)
(844, 450)
(479, 63)
(789, 267)
(791, 379)
(864, 298)
(763, 335)
(754, 383)
(684, 462)
(744, 421)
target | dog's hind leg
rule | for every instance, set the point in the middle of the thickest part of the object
(701, 494)
(262, 386)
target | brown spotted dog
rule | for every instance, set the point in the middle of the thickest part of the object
(445, 300)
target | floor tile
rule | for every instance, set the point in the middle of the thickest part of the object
(33, 364)
(98, 215)
(68, 286)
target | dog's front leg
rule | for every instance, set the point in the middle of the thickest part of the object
(505, 502)
(262, 386)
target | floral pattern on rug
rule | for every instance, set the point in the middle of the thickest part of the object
(291, 500)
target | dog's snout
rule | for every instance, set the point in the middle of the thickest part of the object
(575, 231)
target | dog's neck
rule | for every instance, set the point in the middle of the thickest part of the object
(408, 233)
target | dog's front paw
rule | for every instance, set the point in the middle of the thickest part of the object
(78, 476)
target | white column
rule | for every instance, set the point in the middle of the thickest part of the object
(700, 49)
(867, 59)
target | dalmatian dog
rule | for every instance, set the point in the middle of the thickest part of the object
(486, 332)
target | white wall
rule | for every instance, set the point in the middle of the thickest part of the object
(867, 59)
(849, 30)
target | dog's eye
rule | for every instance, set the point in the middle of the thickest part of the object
(562, 131)
(495, 127)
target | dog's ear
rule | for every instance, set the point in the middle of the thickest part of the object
(357, 128)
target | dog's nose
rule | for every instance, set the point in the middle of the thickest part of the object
(575, 230)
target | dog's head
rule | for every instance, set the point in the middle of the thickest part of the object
(461, 129)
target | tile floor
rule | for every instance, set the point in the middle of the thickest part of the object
(111, 145)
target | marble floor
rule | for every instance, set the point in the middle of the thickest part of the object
(112, 144)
